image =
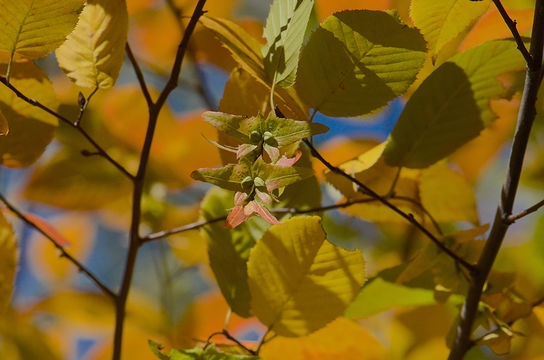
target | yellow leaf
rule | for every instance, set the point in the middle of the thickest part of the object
(31, 29)
(299, 281)
(8, 262)
(31, 129)
(341, 339)
(94, 52)
(446, 195)
(441, 21)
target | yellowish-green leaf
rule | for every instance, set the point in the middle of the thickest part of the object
(442, 21)
(440, 116)
(8, 262)
(499, 341)
(246, 51)
(299, 281)
(30, 128)
(71, 181)
(447, 195)
(31, 29)
(358, 61)
(93, 53)
(4, 127)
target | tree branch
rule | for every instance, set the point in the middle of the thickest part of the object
(139, 75)
(500, 225)
(77, 126)
(513, 218)
(512, 26)
(63, 252)
(135, 240)
(409, 217)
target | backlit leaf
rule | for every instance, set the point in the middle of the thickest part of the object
(440, 116)
(358, 61)
(284, 31)
(30, 128)
(31, 29)
(94, 52)
(441, 21)
(198, 353)
(4, 127)
(295, 273)
(8, 262)
(447, 195)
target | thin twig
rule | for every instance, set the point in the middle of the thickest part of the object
(420, 205)
(63, 252)
(409, 217)
(139, 75)
(526, 117)
(264, 340)
(237, 342)
(83, 106)
(513, 28)
(83, 132)
(513, 218)
(135, 240)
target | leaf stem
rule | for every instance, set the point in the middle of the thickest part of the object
(63, 252)
(501, 222)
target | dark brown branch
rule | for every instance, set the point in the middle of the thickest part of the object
(513, 28)
(139, 75)
(500, 225)
(409, 217)
(63, 252)
(85, 134)
(513, 218)
(135, 240)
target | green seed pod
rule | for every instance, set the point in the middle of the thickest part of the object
(259, 182)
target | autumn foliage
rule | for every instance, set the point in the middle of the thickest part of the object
(291, 179)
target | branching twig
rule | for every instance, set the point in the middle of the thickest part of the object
(139, 75)
(83, 103)
(63, 252)
(513, 28)
(83, 132)
(513, 218)
(409, 217)
(501, 222)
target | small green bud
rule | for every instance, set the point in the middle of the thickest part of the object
(269, 139)
(258, 182)
(255, 137)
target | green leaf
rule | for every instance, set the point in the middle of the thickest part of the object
(442, 21)
(483, 65)
(8, 262)
(278, 176)
(228, 177)
(288, 131)
(93, 53)
(31, 29)
(239, 127)
(295, 274)
(71, 181)
(284, 31)
(229, 250)
(440, 116)
(30, 129)
(197, 353)
(358, 61)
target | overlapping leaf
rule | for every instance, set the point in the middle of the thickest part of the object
(30, 128)
(441, 21)
(358, 61)
(31, 29)
(8, 262)
(197, 353)
(94, 52)
(295, 273)
(284, 31)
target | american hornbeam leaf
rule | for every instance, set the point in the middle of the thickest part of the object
(237, 126)
(284, 31)
(94, 52)
(438, 186)
(30, 128)
(287, 131)
(440, 116)
(442, 21)
(228, 250)
(357, 61)
(31, 29)
(197, 353)
(276, 176)
(246, 51)
(298, 280)
(8, 262)
(228, 177)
